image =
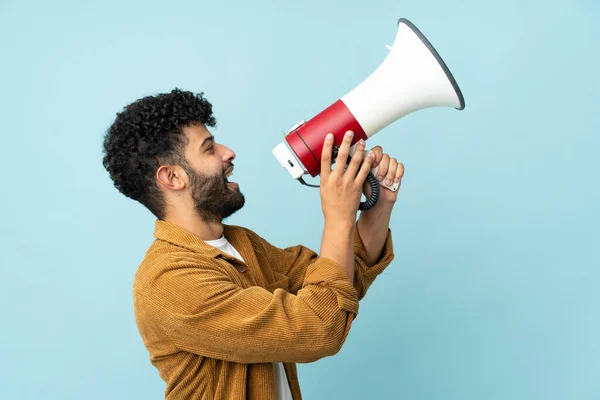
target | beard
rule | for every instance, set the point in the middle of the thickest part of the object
(213, 199)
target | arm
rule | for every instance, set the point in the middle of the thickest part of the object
(373, 230)
(204, 311)
(372, 241)
(293, 261)
(373, 224)
(373, 247)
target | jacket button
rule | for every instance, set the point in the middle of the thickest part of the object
(242, 268)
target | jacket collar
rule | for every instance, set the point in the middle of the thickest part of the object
(181, 237)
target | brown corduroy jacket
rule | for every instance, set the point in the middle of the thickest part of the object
(214, 325)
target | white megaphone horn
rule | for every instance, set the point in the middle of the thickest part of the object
(412, 77)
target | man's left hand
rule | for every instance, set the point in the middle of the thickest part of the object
(390, 170)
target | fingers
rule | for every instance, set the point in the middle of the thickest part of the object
(384, 166)
(326, 155)
(378, 152)
(365, 168)
(389, 170)
(356, 161)
(395, 172)
(391, 174)
(344, 150)
(399, 173)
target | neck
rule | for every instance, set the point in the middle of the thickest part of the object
(192, 222)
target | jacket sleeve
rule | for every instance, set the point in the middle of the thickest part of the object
(293, 261)
(364, 275)
(203, 311)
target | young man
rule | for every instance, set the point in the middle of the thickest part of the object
(223, 313)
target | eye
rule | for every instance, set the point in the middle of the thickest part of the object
(210, 148)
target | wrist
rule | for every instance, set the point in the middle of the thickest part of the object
(381, 210)
(335, 215)
(337, 244)
(339, 223)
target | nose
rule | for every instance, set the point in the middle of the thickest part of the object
(228, 154)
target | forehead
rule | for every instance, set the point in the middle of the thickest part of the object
(196, 134)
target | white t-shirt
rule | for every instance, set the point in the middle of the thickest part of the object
(283, 387)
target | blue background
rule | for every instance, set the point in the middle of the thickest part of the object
(494, 290)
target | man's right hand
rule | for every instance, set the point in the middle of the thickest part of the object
(341, 188)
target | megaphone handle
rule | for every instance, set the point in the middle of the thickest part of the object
(371, 179)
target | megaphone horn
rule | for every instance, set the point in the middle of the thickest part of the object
(412, 77)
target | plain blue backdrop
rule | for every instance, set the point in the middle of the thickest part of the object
(494, 290)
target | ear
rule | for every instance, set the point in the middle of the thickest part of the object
(171, 177)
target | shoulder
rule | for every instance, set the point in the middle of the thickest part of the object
(162, 258)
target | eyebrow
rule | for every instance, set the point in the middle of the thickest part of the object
(207, 139)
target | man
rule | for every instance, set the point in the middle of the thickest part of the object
(223, 313)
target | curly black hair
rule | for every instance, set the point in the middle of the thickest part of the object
(149, 133)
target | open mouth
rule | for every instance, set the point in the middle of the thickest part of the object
(228, 174)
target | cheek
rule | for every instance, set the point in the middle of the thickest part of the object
(210, 166)
(216, 168)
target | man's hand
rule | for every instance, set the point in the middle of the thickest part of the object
(341, 186)
(390, 170)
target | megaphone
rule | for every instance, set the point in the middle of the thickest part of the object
(412, 77)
